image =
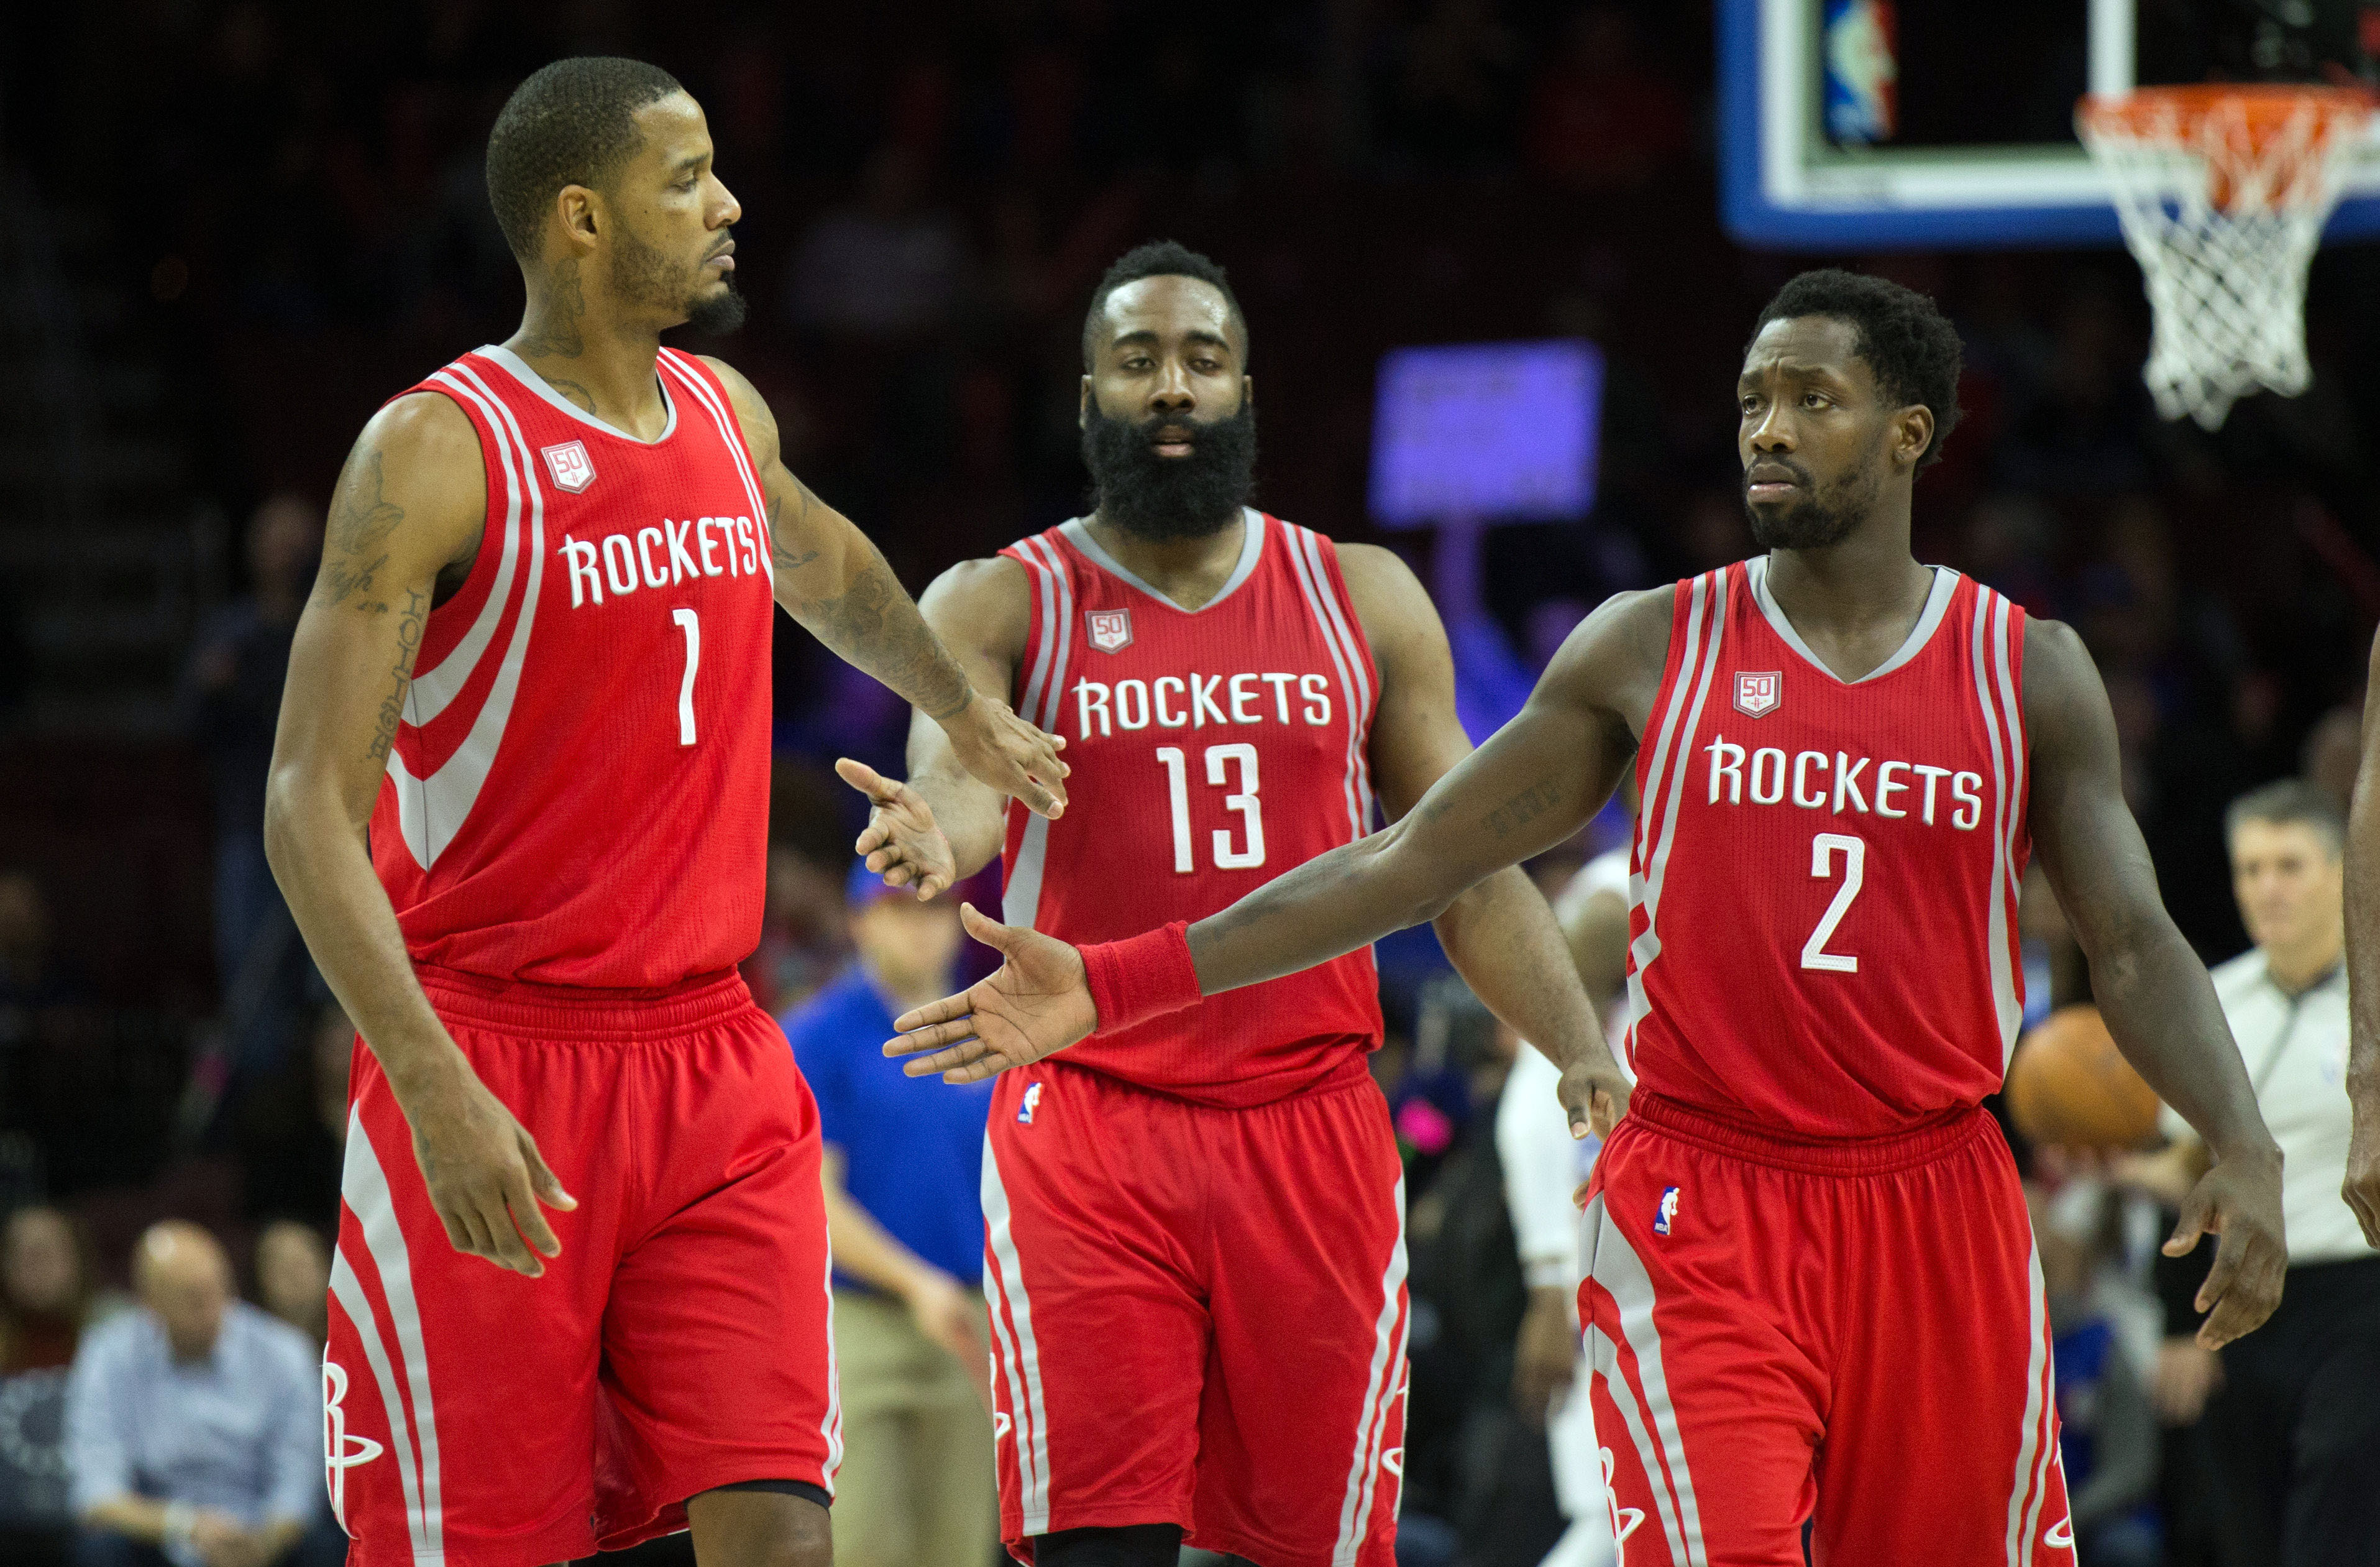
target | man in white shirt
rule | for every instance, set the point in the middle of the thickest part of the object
(2294, 1410)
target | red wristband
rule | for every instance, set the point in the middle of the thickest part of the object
(1141, 976)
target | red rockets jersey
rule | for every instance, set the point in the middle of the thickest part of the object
(578, 791)
(1824, 880)
(1212, 749)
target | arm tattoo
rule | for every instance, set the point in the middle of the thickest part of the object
(408, 643)
(780, 548)
(1522, 808)
(360, 525)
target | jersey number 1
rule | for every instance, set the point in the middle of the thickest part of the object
(691, 624)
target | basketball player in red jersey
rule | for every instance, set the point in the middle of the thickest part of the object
(1196, 1258)
(536, 667)
(1814, 1292)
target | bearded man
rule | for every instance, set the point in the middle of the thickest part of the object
(1196, 1262)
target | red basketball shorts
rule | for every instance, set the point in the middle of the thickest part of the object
(1853, 1333)
(1198, 1316)
(477, 1419)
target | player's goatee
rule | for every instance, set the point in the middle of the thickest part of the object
(1171, 497)
(1812, 522)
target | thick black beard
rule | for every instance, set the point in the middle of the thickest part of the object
(1154, 497)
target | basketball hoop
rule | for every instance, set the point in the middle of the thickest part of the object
(2222, 191)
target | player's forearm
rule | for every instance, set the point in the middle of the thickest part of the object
(318, 857)
(2364, 935)
(2161, 1008)
(1332, 904)
(1502, 939)
(847, 597)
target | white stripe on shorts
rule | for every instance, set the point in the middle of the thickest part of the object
(1004, 1285)
(1387, 1379)
(363, 1186)
(1621, 1274)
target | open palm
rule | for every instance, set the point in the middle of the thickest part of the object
(1036, 1004)
(902, 841)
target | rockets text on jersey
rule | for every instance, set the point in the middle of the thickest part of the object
(578, 791)
(1825, 873)
(1211, 750)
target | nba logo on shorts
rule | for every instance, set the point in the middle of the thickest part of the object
(1110, 630)
(1757, 692)
(1668, 1212)
(1032, 1102)
(572, 468)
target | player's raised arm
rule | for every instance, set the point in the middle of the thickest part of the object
(832, 578)
(1500, 935)
(1534, 782)
(2150, 988)
(944, 825)
(408, 509)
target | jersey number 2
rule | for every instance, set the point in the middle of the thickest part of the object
(691, 624)
(1221, 761)
(1822, 866)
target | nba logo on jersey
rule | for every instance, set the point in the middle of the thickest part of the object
(1757, 692)
(572, 468)
(1110, 630)
(1668, 1213)
(1032, 1102)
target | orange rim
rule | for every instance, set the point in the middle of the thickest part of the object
(2264, 108)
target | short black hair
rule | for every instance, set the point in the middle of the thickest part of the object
(2290, 802)
(1906, 342)
(1159, 258)
(573, 123)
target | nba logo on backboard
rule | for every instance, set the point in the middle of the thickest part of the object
(1110, 630)
(1757, 692)
(571, 468)
(1032, 1102)
(1668, 1212)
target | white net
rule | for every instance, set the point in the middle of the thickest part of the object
(2223, 196)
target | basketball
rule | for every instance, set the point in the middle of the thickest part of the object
(2069, 1084)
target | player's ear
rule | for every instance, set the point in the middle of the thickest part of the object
(1915, 433)
(1083, 406)
(1248, 391)
(577, 206)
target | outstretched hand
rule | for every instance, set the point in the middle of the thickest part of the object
(2239, 1201)
(903, 842)
(1010, 755)
(1036, 1004)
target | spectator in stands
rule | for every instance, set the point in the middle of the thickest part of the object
(46, 1301)
(903, 1155)
(2294, 1424)
(293, 1276)
(194, 1425)
(231, 695)
(47, 1293)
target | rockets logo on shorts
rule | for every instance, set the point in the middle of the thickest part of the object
(1110, 630)
(1758, 692)
(1032, 1102)
(1668, 1212)
(572, 468)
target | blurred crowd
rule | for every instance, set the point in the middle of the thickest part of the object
(298, 230)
